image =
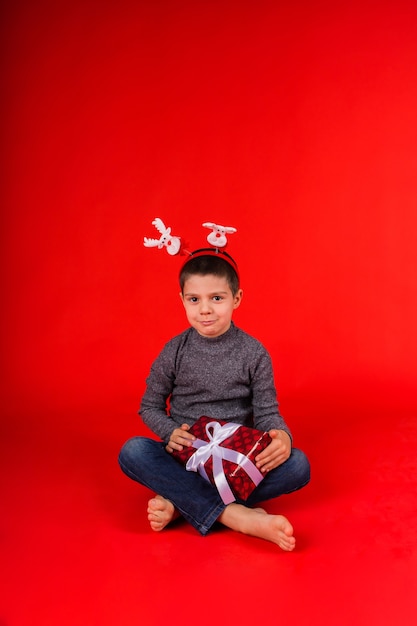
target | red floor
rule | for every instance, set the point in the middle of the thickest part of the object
(78, 549)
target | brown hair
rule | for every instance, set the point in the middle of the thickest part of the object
(207, 261)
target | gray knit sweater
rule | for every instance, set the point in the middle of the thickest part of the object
(228, 377)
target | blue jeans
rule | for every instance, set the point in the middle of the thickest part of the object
(146, 461)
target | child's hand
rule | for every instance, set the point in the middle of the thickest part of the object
(180, 438)
(276, 453)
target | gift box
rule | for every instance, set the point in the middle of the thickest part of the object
(223, 453)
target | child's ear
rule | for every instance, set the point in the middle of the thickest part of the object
(181, 295)
(238, 299)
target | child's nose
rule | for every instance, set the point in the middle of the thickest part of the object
(205, 306)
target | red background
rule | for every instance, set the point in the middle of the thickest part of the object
(295, 122)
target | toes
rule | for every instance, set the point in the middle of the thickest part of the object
(286, 544)
(154, 505)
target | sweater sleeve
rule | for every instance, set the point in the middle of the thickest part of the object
(159, 384)
(265, 406)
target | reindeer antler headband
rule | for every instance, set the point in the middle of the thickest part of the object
(173, 244)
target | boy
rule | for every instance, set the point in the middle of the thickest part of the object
(215, 369)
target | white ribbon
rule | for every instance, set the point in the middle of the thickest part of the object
(212, 448)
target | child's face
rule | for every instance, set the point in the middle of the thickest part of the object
(209, 304)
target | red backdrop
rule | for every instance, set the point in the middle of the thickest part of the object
(294, 122)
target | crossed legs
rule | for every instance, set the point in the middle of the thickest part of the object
(147, 462)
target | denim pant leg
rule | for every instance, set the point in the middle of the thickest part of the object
(146, 461)
(290, 476)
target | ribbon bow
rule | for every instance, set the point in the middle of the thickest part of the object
(216, 434)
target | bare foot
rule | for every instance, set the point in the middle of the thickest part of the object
(161, 512)
(275, 528)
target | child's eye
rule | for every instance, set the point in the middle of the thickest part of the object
(193, 299)
(217, 298)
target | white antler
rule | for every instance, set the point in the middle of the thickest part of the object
(160, 226)
(151, 243)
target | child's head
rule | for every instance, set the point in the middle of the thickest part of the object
(207, 262)
(210, 293)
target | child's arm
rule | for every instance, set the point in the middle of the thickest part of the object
(159, 384)
(276, 453)
(265, 407)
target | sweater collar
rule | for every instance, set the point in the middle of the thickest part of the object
(230, 333)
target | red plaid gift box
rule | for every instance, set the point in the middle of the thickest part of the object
(223, 453)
